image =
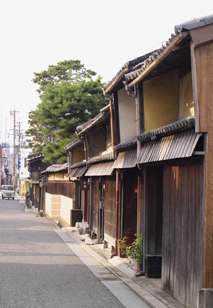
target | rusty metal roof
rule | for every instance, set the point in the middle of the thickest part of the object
(126, 159)
(77, 172)
(101, 169)
(180, 145)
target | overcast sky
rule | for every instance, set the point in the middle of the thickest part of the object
(102, 34)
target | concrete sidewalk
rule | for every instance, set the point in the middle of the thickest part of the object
(148, 289)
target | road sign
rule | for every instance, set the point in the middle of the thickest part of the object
(19, 161)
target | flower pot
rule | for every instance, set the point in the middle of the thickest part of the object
(138, 266)
(131, 260)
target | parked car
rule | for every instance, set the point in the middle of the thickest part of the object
(7, 191)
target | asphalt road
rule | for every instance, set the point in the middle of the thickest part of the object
(38, 269)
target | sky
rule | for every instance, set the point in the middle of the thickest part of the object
(103, 35)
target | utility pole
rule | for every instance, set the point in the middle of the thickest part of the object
(14, 146)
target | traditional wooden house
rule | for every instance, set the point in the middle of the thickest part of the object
(96, 135)
(173, 92)
(35, 167)
(124, 146)
(58, 195)
(77, 167)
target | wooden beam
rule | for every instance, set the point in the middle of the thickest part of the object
(194, 88)
(199, 153)
(139, 112)
(116, 118)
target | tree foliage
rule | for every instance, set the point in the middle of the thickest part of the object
(69, 97)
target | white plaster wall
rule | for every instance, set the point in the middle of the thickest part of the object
(127, 115)
(66, 206)
(48, 201)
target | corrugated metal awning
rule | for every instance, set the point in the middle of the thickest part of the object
(77, 172)
(100, 169)
(126, 159)
(175, 146)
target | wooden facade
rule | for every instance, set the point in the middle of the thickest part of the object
(103, 208)
(168, 199)
(203, 71)
(183, 231)
(62, 188)
(109, 208)
(129, 219)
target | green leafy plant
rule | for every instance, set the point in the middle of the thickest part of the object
(127, 241)
(122, 247)
(135, 251)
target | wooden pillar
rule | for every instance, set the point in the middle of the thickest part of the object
(116, 126)
(112, 128)
(140, 202)
(116, 208)
(139, 112)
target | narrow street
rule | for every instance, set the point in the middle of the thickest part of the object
(41, 268)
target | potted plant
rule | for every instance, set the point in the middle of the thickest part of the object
(122, 247)
(127, 241)
(135, 251)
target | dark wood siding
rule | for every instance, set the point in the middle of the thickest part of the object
(95, 205)
(62, 188)
(153, 210)
(183, 234)
(204, 90)
(109, 208)
(85, 205)
(130, 200)
(140, 202)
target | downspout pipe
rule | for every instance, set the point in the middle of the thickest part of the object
(116, 210)
(90, 204)
(111, 128)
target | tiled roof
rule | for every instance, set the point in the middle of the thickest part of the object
(100, 158)
(126, 68)
(79, 164)
(181, 32)
(55, 168)
(76, 142)
(139, 68)
(33, 157)
(126, 144)
(168, 129)
(194, 23)
(102, 116)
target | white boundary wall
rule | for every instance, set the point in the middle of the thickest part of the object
(66, 206)
(58, 206)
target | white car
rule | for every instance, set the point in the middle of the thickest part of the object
(7, 191)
